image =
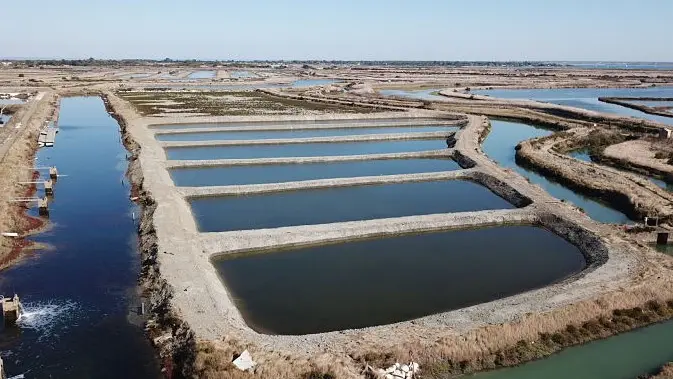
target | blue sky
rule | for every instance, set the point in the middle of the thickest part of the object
(629, 30)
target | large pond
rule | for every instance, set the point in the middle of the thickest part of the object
(587, 98)
(277, 173)
(625, 356)
(300, 133)
(499, 146)
(381, 281)
(79, 296)
(337, 204)
(303, 149)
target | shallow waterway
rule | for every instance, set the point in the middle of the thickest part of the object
(381, 281)
(624, 356)
(278, 173)
(499, 146)
(320, 206)
(303, 149)
(79, 296)
(300, 133)
(587, 98)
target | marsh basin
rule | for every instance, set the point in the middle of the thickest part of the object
(382, 281)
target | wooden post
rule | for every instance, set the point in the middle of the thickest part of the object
(53, 173)
(11, 309)
(662, 238)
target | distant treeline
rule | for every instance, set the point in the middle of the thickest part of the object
(269, 63)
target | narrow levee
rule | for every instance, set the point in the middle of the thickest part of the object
(81, 316)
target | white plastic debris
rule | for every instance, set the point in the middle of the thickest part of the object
(399, 371)
(244, 361)
(8, 234)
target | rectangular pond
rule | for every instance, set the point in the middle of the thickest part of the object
(305, 124)
(382, 281)
(277, 173)
(320, 206)
(303, 149)
(300, 133)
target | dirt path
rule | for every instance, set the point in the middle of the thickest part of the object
(16, 159)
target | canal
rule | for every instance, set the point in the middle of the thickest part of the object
(80, 299)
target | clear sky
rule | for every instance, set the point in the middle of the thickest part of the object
(621, 30)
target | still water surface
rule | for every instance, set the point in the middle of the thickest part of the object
(303, 149)
(320, 206)
(257, 174)
(381, 281)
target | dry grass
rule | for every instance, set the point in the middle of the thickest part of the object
(446, 354)
(214, 361)
(226, 103)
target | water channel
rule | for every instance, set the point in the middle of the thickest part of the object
(80, 317)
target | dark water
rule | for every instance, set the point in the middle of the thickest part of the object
(303, 149)
(79, 295)
(587, 98)
(303, 124)
(319, 206)
(424, 94)
(300, 133)
(625, 356)
(499, 146)
(257, 174)
(381, 281)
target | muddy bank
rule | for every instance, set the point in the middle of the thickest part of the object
(171, 336)
(15, 167)
(634, 196)
(627, 102)
(643, 155)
